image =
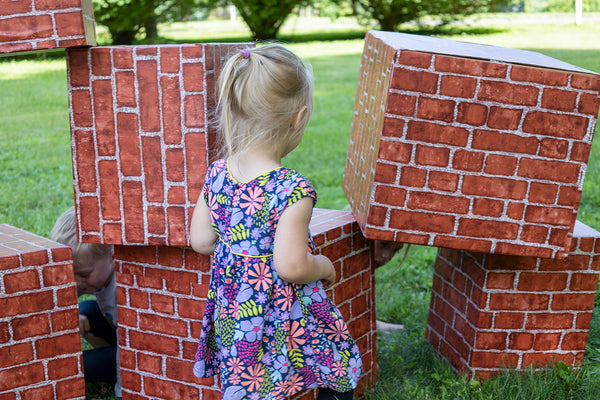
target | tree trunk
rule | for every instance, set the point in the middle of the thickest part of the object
(122, 37)
(151, 28)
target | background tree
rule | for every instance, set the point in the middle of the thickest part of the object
(265, 17)
(126, 18)
(390, 14)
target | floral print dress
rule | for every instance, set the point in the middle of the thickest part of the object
(267, 338)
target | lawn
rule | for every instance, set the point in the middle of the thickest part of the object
(36, 179)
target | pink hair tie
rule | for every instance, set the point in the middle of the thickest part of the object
(245, 53)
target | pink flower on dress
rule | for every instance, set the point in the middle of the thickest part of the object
(296, 335)
(251, 201)
(253, 379)
(284, 302)
(234, 379)
(234, 309)
(213, 206)
(338, 368)
(234, 365)
(294, 384)
(280, 387)
(260, 277)
(338, 332)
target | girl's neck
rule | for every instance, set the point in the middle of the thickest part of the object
(252, 163)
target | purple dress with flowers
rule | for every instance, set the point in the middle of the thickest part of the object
(267, 338)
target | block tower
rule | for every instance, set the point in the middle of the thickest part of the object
(141, 146)
(40, 346)
(481, 151)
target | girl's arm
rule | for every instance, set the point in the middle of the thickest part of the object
(202, 235)
(291, 258)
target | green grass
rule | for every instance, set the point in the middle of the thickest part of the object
(35, 165)
(36, 179)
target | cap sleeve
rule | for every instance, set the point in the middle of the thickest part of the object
(211, 172)
(301, 188)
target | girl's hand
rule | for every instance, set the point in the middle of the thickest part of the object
(331, 277)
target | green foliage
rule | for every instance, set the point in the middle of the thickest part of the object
(265, 17)
(126, 18)
(390, 14)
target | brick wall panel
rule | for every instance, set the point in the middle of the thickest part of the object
(507, 134)
(36, 26)
(40, 346)
(161, 297)
(530, 310)
(152, 129)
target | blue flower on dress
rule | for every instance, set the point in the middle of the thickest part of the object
(269, 330)
(308, 350)
(228, 188)
(267, 359)
(245, 247)
(255, 233)
(285, 189)
(354, 367)
(261, 298)
(270, 186)
(254, 396)
(253, 328)
(281, 364)
(313, 292)
(265, 243)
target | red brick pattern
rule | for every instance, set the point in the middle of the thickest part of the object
(488, 311)
(40, 348)
(140, 138)
(468, 154)
(161, 292)
(35, 25)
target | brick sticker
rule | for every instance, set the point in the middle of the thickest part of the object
(511, 142)
(531, 310)
(39, 25)
(141, 139)
(39, 318)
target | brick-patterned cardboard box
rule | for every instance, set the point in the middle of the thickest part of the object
(468, 146)
(488, 310)
(35, 25)
(40, 346)
(140, 138)
(161, 292)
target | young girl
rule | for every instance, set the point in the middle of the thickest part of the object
(269, 329)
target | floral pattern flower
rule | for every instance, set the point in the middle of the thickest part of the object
(260, 277)
(266, 337)
(251, 200)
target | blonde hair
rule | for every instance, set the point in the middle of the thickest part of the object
(261, 91)
(65, 232)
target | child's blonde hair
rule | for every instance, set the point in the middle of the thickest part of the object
(261, 91)
(65, 232)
